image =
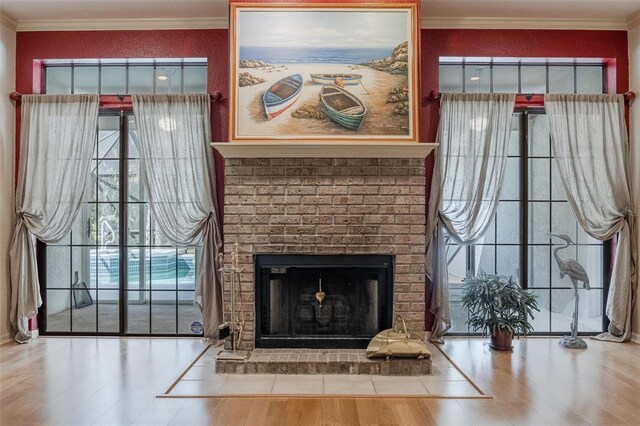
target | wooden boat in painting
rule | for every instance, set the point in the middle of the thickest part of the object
(342, 106)
(282, 95)
(347, 79)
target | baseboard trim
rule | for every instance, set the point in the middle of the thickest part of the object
(4, 338)
(635, 337)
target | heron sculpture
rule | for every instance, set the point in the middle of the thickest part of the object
(575, 271)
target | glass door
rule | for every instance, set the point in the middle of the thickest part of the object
(549, 212)
(81, 272)
(160, 278)
(115, 273)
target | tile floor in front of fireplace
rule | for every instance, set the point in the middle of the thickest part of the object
(201, 380)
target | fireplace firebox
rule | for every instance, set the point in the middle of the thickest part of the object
(322, 301)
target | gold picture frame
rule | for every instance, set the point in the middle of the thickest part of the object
(324, 72)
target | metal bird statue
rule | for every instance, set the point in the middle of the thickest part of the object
(575, 272)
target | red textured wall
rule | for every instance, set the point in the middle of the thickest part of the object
(214, 45)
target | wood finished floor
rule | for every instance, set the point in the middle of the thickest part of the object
(111, 381)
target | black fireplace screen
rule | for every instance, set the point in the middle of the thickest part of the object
(322, 301)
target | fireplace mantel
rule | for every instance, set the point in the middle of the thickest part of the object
(350, 149)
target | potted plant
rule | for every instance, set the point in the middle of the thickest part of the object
(499, 307)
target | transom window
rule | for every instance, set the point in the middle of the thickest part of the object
(533, 202)
(530, 76)
(125, 76)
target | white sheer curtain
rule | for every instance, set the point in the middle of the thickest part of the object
(467, 179)
(589, 142)
(57, 140)
(175, 132)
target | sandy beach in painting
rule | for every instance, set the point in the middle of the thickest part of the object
(373, 92)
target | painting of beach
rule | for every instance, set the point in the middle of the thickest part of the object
(323, 73)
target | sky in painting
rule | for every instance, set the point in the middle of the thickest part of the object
(339, 29)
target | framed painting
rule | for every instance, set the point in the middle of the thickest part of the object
(324, 72)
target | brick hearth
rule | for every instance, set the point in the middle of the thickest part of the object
(326, 361)
(328, 206)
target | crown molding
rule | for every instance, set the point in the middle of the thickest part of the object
(633, 20)
(523, 23)
(223, 23)
(123, 24)
(8, 20)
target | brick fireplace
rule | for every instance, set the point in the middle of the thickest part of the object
(328, 206)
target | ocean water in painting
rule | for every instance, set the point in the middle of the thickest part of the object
(305, 55)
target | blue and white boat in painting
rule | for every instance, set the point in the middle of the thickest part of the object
(282, 95)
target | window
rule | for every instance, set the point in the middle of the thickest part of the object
(119, 77)
(115, 272)
(533, 202)
(530, 76)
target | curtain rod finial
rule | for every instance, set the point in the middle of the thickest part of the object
(434, 95)
(217, 96)
(629, 96)
(15, 96)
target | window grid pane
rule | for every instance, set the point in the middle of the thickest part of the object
(477, 79)
(533, 79)
(58, 80)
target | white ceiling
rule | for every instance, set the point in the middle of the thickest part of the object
(24, 11)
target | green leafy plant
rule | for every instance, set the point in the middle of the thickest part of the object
(496, 302)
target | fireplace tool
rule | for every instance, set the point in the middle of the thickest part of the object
(237, 324)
